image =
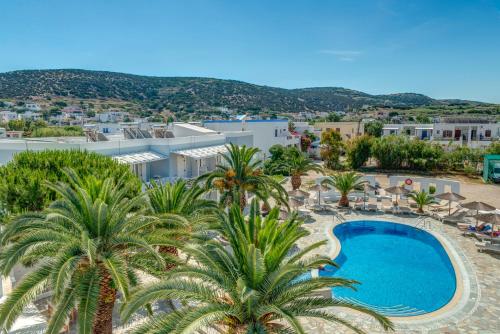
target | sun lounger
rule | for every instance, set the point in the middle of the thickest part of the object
(372, 207)
(404, 210)
(489, 247)
(455, 218)
(388, 208)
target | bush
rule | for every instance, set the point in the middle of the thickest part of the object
(423, 155)
(276, 164)
(56, 131)
(374, 128)
(461, 156)
(22, 180)
(390, 151)
(331, 148)
(359, 151)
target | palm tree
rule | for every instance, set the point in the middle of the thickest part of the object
(242, 172)
(298, 166)
(345, 183)
(422, 198)
(182, 212)
(86, 247)
(256, 286)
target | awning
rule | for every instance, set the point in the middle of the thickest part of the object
(203, 152)
(424, 128)
(384, 128)
(139, 157)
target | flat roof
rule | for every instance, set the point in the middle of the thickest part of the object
(203, 152)
(246, 121)
(194, 127)
(139, 157)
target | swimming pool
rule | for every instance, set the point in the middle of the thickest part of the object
(404, 271)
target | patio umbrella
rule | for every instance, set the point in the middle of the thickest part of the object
(298, 193)
(397, 190)
(450, 197)
(490, 218)
(318, 188)
(478, 206)
(366, 188)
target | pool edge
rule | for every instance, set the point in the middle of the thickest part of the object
(458, 267)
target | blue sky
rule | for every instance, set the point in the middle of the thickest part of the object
(445, 48)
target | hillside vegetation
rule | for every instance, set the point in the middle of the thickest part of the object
(191, 93)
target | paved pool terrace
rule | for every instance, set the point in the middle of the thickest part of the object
(475, 307)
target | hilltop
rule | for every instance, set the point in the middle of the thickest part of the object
(193, 93)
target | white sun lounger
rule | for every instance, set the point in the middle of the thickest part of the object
(488, 247)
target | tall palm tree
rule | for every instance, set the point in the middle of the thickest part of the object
(242, 173)
(256, 286)
(298, 166)
(86, 247)
(422, 198)
(182, 212)
(345, 183)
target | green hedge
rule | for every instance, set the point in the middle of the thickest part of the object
(22, 180)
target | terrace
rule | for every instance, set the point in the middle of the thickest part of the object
(473, 307)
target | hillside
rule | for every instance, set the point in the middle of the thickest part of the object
(191, 93)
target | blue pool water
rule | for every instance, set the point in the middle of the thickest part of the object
(403, 270)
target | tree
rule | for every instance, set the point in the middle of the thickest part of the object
(374, 128)
(332, 145)
(333, 117)
(390, 151)
(345, 183)
(240, 173)
(306, 140)
(298, 166)
(22, 180)
(422, 198)
(359, 151)
(182, 212)
(252, 286)
(494, 148)
(422, 119)
(86, 247)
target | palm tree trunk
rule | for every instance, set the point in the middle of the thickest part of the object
(243, 200)
(344, 201)
(296, 181)
(171, 250)
(103, 323)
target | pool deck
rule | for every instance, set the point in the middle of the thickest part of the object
(475, 310)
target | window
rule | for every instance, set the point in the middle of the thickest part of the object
(276, 132)
(487, 133)
(337, 129)
(447, 133)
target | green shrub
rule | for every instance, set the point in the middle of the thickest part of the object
(22, 180)
(331, 149)
(359, 151)
(57, 131)
(391, 151)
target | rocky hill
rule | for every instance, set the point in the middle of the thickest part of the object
(191, 93)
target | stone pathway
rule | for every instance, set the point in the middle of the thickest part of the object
(477, 313)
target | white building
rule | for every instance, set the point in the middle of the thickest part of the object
(470, 134)
(7, 115)
(177, 151)
(266, 133)
(111, 116)
(30, 115)
(33, 106)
